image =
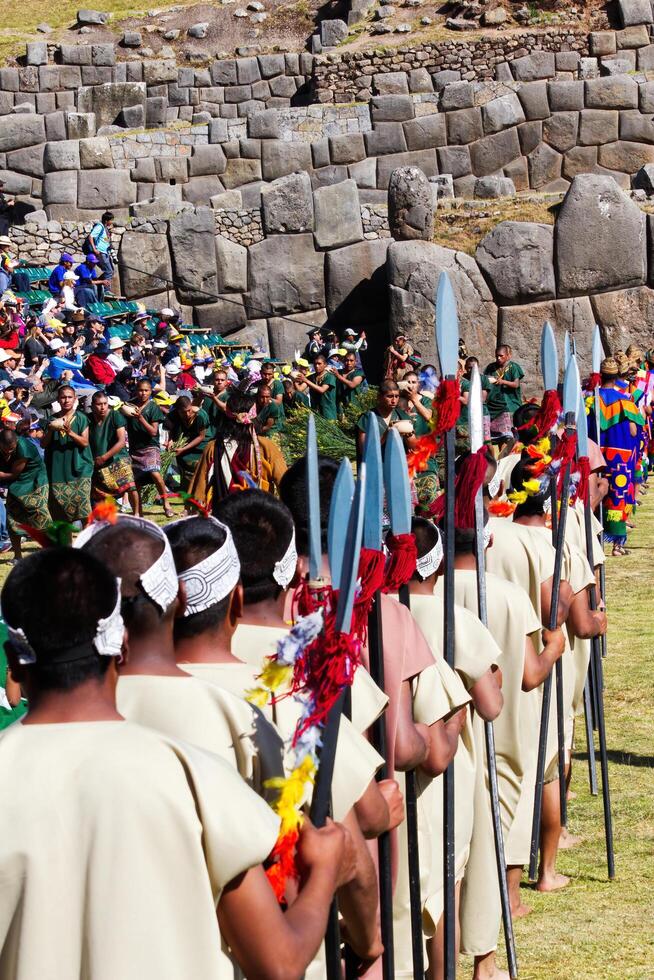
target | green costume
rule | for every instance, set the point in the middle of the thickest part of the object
(501, 399)
(115, 477)
(8, 715)
(144, 448)
(275, 412)
(27, 495)
(187, 461)
(324, 403)
(70, 469)
(345, 395)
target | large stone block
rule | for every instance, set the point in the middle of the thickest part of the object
(348, 148)
(454, 160)
(517, 260)
(464, 126)
(635, 12)
(413, 270)
(60, 187)
(159, 72)
(600, 238)
(560, 130)
(108, 101)
(457, 95)
(636, 126)
(624, 317)
(534, 100)
(288, 334)
(98, 190)
(95, 153)
(356, 282)
(391, 83)
(391, 108)
(492, 153)
(326, 176)
(645, 58)
(544, 166)
(263, 125)
(425, 132)
(499, 114)
(20, 130)
(539, 64)
(285, 275)
(192, 245)
(364, 173)
(224, 316)
(597, 126)
(80, 125)
(287, 205)
(579, 160)
(386, 138)
(521, 327)
(625, 157)
(208, 159)
(424, 159)
(530, 134)
(200, 190)
(518, 172)
(614, 92)
(410, 205)
(63, 155)
(55, 78)
(239, 172)
(279, 158)
(27, 161)
(144, 264)
(232, 266)
(566, 96)
(337, 215)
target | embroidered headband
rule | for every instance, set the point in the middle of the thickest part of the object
(494, 485)
(284, 569)
(159, 581)
(212, 579)
(431, 562)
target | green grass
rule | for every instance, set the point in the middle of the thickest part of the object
(596, 928)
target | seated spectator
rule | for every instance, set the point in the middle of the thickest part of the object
(88, 279)
(97, 368)
(55, 281)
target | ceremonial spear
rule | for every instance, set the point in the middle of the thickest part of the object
(571, 391)
(595, 657)
(447, 342)
(476, 429)
(398, 501)
(597, 357)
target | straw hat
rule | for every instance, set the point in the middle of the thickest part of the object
(609, 367)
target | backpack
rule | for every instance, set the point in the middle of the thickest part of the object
(88, 247)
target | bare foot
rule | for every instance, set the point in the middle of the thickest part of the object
(552, 883)
(521, 911)
(490, 974)
(567, 840)
(572, 795)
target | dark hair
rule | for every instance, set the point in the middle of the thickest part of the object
(97, 395)
(262, 527)
(192, 541)
(65, 388)
(239, 403)
(107, 216)
(57, 597)
(128, 552)
(523, 418)
(293, 493)
(8, 437)
(182, 402)
(387, 386)
(534, 505)
(267, 364)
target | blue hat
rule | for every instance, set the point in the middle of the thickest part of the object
(102, 347)
(65, 257)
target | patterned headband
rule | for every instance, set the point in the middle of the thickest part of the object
(431, 562)
(212, 579)
(284, 569)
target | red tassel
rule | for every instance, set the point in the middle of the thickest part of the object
(371, 575)
(564, 455)
(468, 481)
(402, 563)
(583, 468)
(549, 413)
(446, 408)
(283, 865)
(594, 381)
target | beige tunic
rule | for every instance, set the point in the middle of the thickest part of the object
(576, 537)
(115, 845)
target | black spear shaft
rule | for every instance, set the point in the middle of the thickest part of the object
(489, 736)
(547, 683)
(596, 658)
(449, 872)
(588, 722)
(415, 897)
(376, 656)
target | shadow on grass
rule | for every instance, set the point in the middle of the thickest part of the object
(623, 759)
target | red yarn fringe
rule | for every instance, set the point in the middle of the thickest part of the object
(468, 481)
(371, 576)
(500, 508)
(283, 866)
(548, 416)
(402, 562)
(583, 468)
(446, 408)
(594, 381)
(564, 455)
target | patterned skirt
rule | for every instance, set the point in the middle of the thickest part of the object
(71, 501)
(502, 425)
(114, 479)
(145, 461)
(31, 509)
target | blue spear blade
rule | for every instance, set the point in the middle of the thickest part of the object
(447, 326)
(571, 387)
(475, 411)
(549, 358)
(582, 427)
(350, 567)
(337, 528)
(396, 481)
(598, 350)
(372, 521)
(567, 350)
(313, 501)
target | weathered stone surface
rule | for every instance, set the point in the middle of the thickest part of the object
(501, 113)
(355, 279)
(287, 205)
(337, 215)
(36, 53)
(566, 96)
(645, 58)
(391, 108)
(521, 327)
(54, 78)
(410, 205)
(19, 131)
(464, 126)
(95, 153)
(544, 166)
(326, 176)
(560, 130)
(101, 189)
(232, 266)
(348, 148)
(239, 172)
(413, 270)
(200, 190)
(616, 92)
(424, 159)
(279, 158)
(159, 71)
(518, 171)
(224, 315)
(332, 32)
(539, 64)
(288, 335)
(95, 17)
(636, 126)
(285, 275)
(579, 160)
(59, 187)
(193, 252)
(624, 317)
(27, 161)
(602, 43)
(385, 138)
(364, 173)
(63, 155)
(420, 80)
(454, 160)
(534, 100)
(207, 159)
(530, 134)
(517, 260)
(494, 186)
(457, 95)
(391, 83)
(491, 153)
(263, 125)
(80, 125)
(146, 252)
(597, 126)
(109, 100)
(172, 168)
(635, 12)
(626, 157)
(610, 253)
(425, 132)
(16, 183)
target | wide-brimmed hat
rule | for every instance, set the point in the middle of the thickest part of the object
(116, 343)
(609, 367)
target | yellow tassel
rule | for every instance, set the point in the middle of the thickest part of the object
(517, 496)
(531, 486)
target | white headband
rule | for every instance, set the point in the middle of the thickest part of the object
(284, 569)
(159, 581)
(431, 562)
(108, 639)
(212, 579)
(494, 485)
(487, 536)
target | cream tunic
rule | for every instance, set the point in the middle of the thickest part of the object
(115, 845)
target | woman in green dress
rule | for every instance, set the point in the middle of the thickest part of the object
(68, 460)
(190, 424)
(388, 416)
(23, 472)
(419, 410)
(112, 472)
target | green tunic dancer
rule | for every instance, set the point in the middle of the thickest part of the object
(69, 461)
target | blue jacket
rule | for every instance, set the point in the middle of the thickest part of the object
(56, 278)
